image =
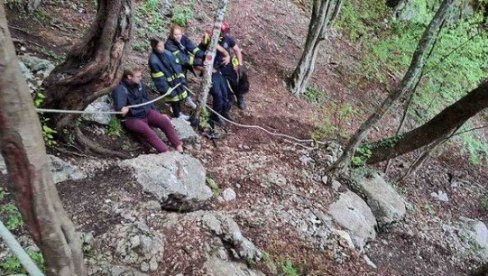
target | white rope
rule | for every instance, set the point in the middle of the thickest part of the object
(259, 127)
(18, 251)
(44, 110)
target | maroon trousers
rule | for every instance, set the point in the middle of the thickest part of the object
(142, 128)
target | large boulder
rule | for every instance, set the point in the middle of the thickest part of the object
(218, 267)
(475, 232)
(352, 213)
(230, 233)
(37, 65)
(103, 104)
(387, 205)
(186, 133)
(176, 180)
(135, 245)
(35, 70)
(61, 170)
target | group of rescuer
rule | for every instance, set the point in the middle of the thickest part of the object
(169, 64)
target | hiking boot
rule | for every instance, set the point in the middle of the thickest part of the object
(241, 103)
(190, 103)
(227, 116)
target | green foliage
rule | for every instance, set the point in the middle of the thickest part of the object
(41, 16)
(359, 18)
(456, 65)
(15, 3)
(315, 95)
(182, 15)
(477, 149)
(361, 156)
(12, 265)
(204, 118)
(214, 186)
(289, 269)
(47, 132)
(484, 203)
(13, 216)
(3, 193)
(150, 18)
(334, 118)
(114, 127)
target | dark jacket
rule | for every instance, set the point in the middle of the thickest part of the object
(126, 94)
(166, 73)
(185, 51)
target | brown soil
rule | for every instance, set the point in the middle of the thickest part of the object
(271, 33)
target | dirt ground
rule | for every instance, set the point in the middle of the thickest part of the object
(271, 34)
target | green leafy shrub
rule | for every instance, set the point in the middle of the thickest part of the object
(13, 216)
(289, 269)
(114, 127)
(214, 186)
(334, 117)
(484, 203)
(47, 132)
(12, 265)
(182, 15)
(315, 95)
(361, 156)
(456, 65)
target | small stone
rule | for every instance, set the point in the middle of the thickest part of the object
(152, 205)
(336, 185)
(153, 264)
(369, 262)
(329, 159)
(325, 179)
(229, 194)
(88, 238)
(305, 160)
(144, 267)
(135, 241)
(345, 240)
(440, 196)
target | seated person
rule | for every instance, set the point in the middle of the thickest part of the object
(139, 120)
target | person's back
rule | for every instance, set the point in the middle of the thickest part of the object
(166, 75)
(235, 72)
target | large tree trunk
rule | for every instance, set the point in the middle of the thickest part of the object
(442, 124)
(94, 65)
(323, 13)
(30, 178)
(210, 57)
(406, 86)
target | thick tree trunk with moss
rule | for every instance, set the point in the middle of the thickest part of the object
(323, 13)
(94, 65)
(441, 125)
(31, 181)
(406, 86)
